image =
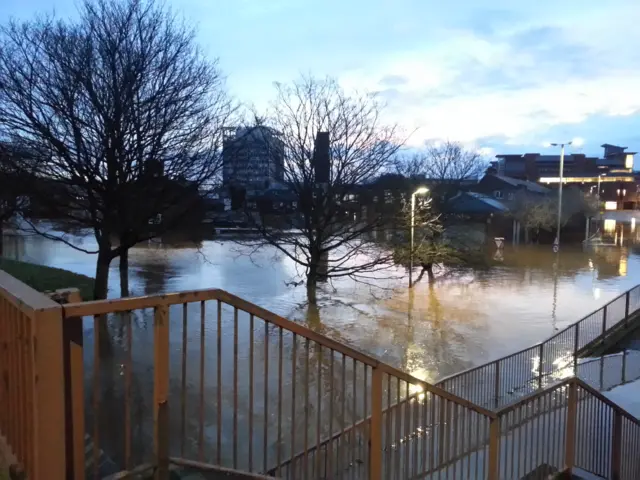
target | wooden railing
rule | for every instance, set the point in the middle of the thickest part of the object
(32, 395)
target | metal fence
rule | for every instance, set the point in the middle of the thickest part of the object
(207, 380)
(503, 381)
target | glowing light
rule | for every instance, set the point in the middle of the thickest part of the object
(633, 224)
(610, 206)
(609, 223)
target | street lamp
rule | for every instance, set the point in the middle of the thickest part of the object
(561, 145)
(599, 179)
(419, 191)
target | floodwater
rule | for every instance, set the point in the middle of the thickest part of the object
(467, 317)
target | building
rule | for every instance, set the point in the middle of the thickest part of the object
(611, 176)
(252, 158)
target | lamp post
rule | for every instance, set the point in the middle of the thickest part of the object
(561, 145)
(419, 191)
(599, 179)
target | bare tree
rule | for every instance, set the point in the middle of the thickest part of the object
(124, 115)
(451, 163)
(329, 234)
(12, 190)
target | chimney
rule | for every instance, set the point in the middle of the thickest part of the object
(321, 158)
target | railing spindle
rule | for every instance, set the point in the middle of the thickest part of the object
(294, 400)
(219, 389)
(235, 388)
(127, 390)
(202, 367)
(251, 349)
(161, 391)
(375, 430)
(319, 408)
(183, 390)
(265, 432)
(280, 359)
(96, 391)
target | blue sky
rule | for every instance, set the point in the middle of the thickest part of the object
(501, 75)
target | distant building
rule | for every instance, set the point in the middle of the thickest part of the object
(613, 173)
(252, 158)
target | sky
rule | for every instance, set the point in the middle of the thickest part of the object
(503, 76)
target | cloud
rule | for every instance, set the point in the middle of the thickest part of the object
(513, 80)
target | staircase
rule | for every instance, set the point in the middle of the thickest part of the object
(267, 396)
(520, 376)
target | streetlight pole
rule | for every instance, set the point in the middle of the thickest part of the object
(419, 191)
(599, 178)
(561, 145)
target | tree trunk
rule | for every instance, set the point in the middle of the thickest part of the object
(100, 288)
(1, 239)
(101, 285)
(429, 268)
(526, 235)
(312, 289)
(124, 273)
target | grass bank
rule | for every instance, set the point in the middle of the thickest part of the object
(46, 279)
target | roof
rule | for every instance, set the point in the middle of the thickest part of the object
(533, 187)
(472, 202)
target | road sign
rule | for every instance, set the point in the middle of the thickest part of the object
(556, 246)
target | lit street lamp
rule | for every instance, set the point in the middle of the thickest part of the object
(419, 191)
(599, 179)
(577, 142)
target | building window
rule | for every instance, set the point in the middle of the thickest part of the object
(497, 194)
(510, 196)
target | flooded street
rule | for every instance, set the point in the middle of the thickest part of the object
(468, 317)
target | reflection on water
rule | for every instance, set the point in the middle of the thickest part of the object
(469, 316)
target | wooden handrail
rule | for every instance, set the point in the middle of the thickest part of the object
(102, 307)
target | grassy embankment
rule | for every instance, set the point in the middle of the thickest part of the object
(48, 279)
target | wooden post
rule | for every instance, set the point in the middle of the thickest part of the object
(72, 334)
(616, 446)
(375, 431)
(161, 391)
(47, 383)
(570, 431)
(494, 449)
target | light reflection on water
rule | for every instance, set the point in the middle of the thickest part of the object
(468, 317)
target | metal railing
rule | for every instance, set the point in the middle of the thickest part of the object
(251, 391)
(32, 396)
(569, 425)
(211, 381)
(498, 383)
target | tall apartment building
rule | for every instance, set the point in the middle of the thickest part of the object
(252, 158)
